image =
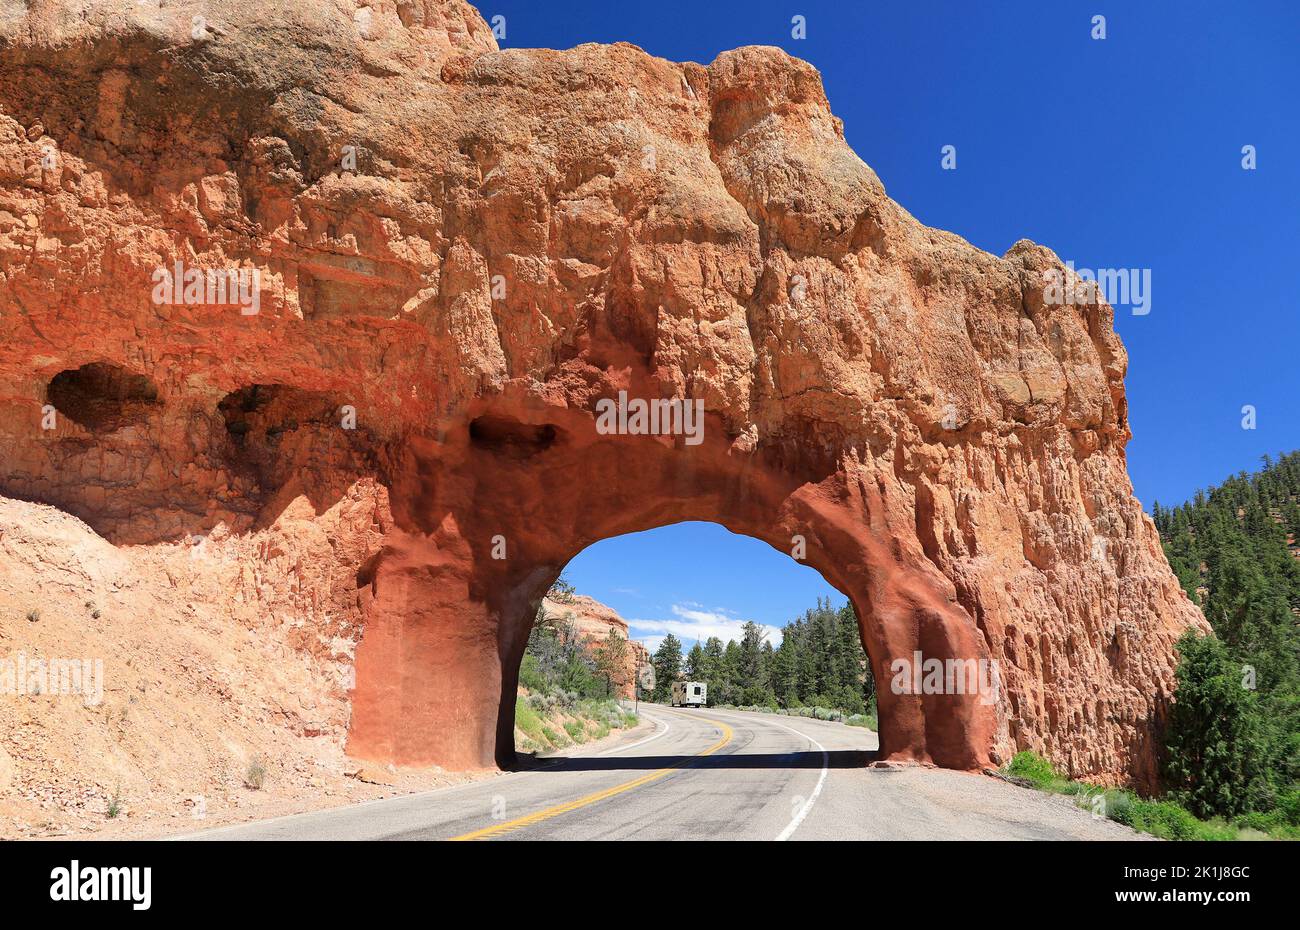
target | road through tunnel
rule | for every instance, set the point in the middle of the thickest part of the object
(455, 594)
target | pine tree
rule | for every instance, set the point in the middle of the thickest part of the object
(711, 671)
(696, 663)
(667, 663)
(611, 663)
(1214, 749)
(1233, 550)
(731, 685)
(785, 673)
(753, 675)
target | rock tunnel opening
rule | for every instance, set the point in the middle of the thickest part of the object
(452, 601)
(748, 625)
(102, 397)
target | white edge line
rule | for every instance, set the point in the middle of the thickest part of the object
(812, 799)
(653, 736)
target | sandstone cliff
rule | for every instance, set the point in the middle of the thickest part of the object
(459, 252)
(592, 622)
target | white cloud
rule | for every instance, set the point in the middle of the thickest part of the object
(692, 622)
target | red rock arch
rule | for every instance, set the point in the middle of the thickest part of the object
(521, 236)
(446, 622)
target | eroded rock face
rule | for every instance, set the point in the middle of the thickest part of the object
(591, 623)
(468, 249)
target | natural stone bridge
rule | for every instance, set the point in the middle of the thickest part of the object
(459, 253)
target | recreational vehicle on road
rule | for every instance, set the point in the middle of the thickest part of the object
(689, 693)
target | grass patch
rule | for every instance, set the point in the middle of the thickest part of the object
(1162, 818)
(1166, 820)
(543, 724)
(527, 720)
(1032, 766)
(577, 732)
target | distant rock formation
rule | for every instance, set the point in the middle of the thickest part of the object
(412, 266)
(592, 622)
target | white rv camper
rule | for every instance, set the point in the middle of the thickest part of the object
(689, 693)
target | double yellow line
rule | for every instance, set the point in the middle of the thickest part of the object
(510, 826)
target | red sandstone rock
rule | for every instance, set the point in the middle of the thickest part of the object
(592, 622)
(525, 233)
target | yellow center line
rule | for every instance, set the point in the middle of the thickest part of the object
(510, 826)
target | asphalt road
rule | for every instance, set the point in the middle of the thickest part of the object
(707, 774)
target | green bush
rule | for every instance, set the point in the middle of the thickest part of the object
(577, 732)
(1079, 789)
(1030, 765)
(1263, 822)
(1119, 807)
(530, 674)
(1169, 821)
(1165, 819)
(1288, 803)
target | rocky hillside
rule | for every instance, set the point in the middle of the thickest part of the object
(592, 622)
(209, 687)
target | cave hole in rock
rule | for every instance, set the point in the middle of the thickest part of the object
(278, 433)
(102, 397)
(510, 437)
(268, 410)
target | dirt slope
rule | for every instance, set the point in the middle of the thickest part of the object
(211, 663)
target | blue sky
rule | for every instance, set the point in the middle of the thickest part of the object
(1119, 153)
(696, 580)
